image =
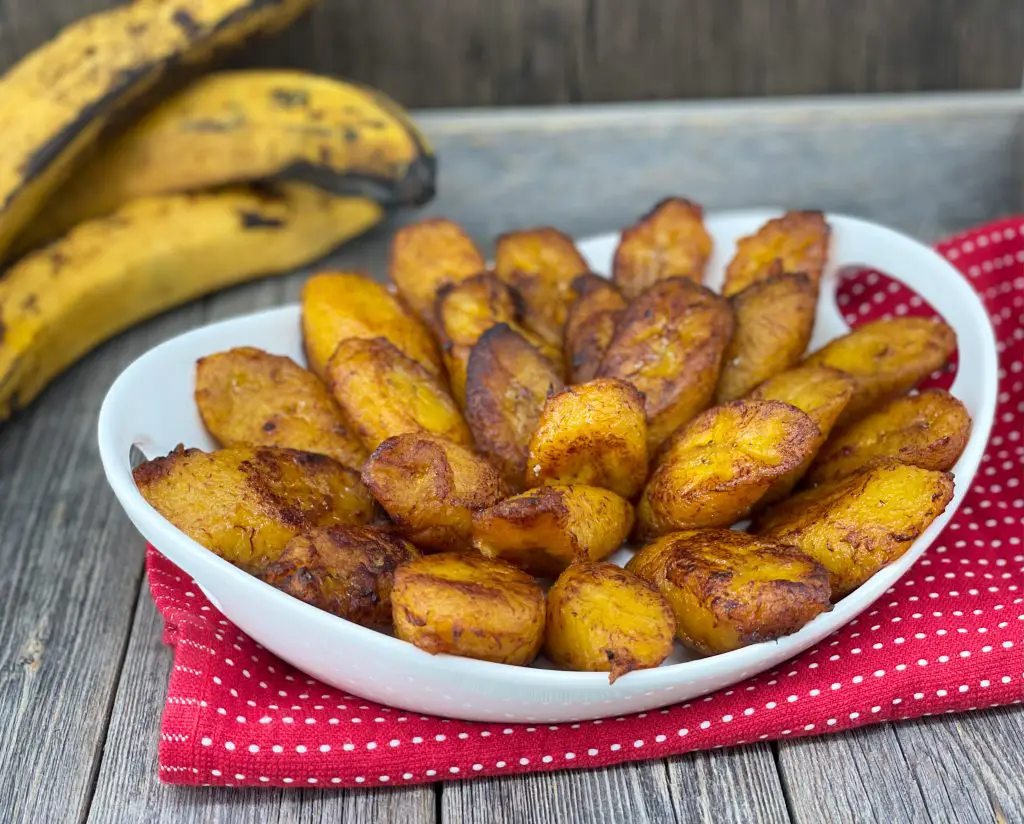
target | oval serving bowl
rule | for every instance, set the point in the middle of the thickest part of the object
(150, 406)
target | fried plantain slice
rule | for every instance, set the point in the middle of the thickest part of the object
(729, 589)
(245, 503)
(669, 344)
(540, 264)
(507, 383)
(774, 321)
(855, 526)
(430, 487)
(428, 255)
(544, 530)
(887, 358)
(794, 242)
(821, 392)
(595, 434)
(928, 430)
(466, 310)
(465, 604)
(348, 571)
(340, 305)
(715, 469)
(590, 325)
(669, 241)
(601, 618)
(384, 393)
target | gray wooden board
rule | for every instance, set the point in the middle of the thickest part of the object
(80, 646)
(71, 570)
(953, 769)
(478, 52)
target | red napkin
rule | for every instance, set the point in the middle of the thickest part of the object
(948, 637)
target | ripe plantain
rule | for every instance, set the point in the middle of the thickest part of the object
(155, 253)
(251, 125)
(59, 99)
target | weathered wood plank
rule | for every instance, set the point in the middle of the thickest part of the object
(737, 785)
(968, 766)
(72, 565)
(632, 792)
(859, 777)
(476, 52)
(127, 789)
(949, 769)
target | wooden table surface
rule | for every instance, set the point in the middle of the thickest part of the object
(83, 672)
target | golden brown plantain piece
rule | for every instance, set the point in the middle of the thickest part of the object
(594, 434)
(463, 604)
(590, 325)
(795, 242)
(855, 526)
(774, 321)
(427, 256)
(430, 487)
(669, 241)
(341, 305)
(669, 344)
(345, 570)
(729, 589)
(540, 264)
(466, 310)
(248, 397)
(715, 469)
(601, 618)
(887, 358)
(544, 530)
(384, 393)
(821, 392)
(928, 430)
(246, 503)
(507, 383)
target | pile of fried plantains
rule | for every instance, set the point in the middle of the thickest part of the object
(130, 183)
(467, 431)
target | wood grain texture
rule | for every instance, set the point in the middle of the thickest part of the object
(968, 766)
(71, 569)
(738, 785)
(859, 777)
(957, 769)
(630, 792)
(477, 52)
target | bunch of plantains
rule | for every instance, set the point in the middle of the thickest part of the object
(124, 193)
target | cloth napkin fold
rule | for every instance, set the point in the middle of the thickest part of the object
(948, 637)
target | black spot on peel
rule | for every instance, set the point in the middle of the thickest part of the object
(187, 23)
(269, 426)
(289, 98)
(351, 135)
(57, 260)
(27, 305)
(254, 220)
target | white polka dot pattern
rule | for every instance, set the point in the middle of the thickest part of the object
(948, 637)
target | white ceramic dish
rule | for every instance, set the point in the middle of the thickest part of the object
(150, 406)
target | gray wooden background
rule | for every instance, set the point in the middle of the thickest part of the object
(486, 52)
